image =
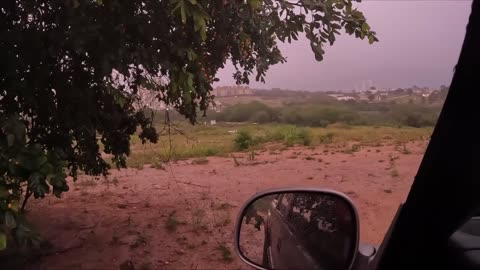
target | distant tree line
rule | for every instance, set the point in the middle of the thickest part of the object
(321, 115)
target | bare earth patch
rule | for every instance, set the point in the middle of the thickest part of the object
(182, 216)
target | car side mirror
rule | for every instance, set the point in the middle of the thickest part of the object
(298, 229)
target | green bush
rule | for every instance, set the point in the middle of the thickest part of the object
(322, 115)
(253, 111)
(305, 136)
(318, 116)
(243, 140)
(261, 117)
(326, 138)
(289, 135)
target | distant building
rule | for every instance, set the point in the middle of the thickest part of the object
(342, 97)
(345, 98)
(227, 91)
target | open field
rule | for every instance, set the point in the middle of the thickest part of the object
(181, 215)
(204, 141)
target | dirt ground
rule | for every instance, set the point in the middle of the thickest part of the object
(182, 216)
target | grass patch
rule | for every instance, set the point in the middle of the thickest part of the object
(141, 240)
(225, 252)
(113, 181)
(354, 148)
(251, 156)
(157, 165)
(198, 221)
(218, 141)
(326, 138)
(171, 224)
(224, 206)
(288, 135)
(404, 150)
(244, 140)
(222, 218)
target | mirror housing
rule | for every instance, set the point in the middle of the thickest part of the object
(301, 228)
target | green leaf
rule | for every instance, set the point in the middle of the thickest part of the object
(349, 7)
(318, 51)
(46, 169)
(183, 14)
(4, 193)
(3, 241)
(99, 2)
(190, 81)
(254, 4)
(331, 38)
(10, 220)
(10, 140)
(38, 185)
(200, 24)
(371, 39)
(193, 2)
(365, 27)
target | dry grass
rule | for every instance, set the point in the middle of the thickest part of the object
(199, 222)
(205, 141)
(171, 224)
(200, 161)
(225, 252)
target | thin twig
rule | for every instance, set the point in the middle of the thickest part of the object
(182, 182)
(189, 183)
(28, 193)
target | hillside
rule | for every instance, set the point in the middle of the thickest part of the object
(274, 97)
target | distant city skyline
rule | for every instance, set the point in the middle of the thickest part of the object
(420, 42)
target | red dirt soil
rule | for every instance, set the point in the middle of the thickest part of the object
(100, 226)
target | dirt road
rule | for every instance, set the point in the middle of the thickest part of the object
(182, 216)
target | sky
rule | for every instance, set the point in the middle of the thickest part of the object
(420, 42)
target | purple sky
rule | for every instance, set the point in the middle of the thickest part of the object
(419, 45)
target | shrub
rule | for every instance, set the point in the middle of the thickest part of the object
(225, 252)
(243, 140)
(305, 136)
(247, 112)
(172, 223)
(326, 138)
(290, 135)
(260, 117)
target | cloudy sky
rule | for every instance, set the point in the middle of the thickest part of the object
(419, 45)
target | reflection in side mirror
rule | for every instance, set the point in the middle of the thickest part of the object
(298, 229)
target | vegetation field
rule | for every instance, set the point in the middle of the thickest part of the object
(220, 140)
(180, 215)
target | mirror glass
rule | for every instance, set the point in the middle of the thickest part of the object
(299, 230)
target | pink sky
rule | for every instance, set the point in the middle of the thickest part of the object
(419, 45)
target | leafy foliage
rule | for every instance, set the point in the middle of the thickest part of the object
(71, 73)
(289, 135)
(322, 115)
(243, 140)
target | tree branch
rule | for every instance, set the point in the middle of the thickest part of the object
(28, 193)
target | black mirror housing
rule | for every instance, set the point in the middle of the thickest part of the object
(298, 228)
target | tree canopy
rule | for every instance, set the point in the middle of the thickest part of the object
(71, 71)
